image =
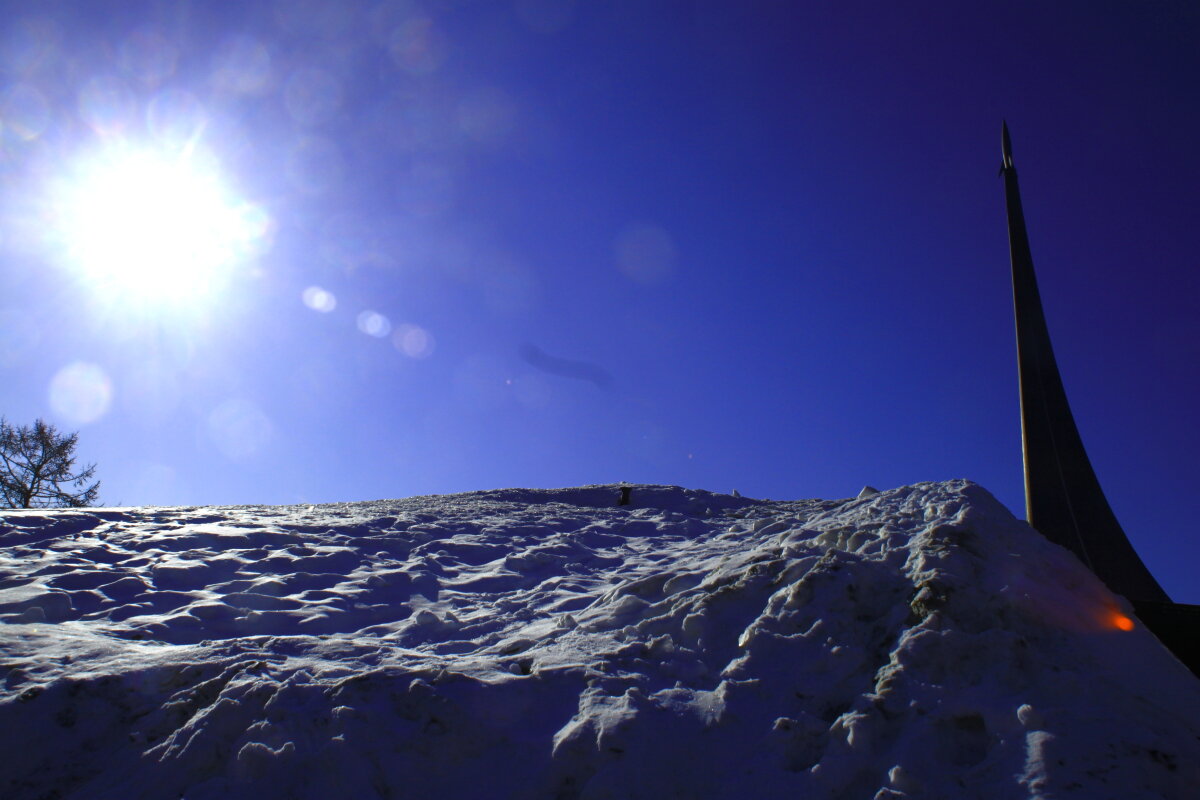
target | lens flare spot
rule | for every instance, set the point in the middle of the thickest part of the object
(256, 227)
(545, 16)
(239, 429)
(348, 242)
(323, 19)
(417, 46)
(81, 392)
(414, 341)
(30, 45)
(107, 105)
(24, 112)
(532, 391)
(315, 165)
(153, 389)
(372, 323)
(242, 65)
(176, 117)
(508, 285)
(148, 56)
(319, 299)
(482, 382)
(19, 336)
(427, 190)
(311, 96)
(645, 254)
(487, 116)
(153, 482)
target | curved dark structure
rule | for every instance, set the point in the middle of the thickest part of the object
(1063, 498)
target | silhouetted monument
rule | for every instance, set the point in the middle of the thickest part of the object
(1063, 498)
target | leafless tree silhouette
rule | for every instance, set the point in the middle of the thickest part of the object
(36, 468)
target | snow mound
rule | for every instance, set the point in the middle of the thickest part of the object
(918, 642)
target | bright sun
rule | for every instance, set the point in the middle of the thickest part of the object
(155, 227)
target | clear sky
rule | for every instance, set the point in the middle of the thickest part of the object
(313, 251)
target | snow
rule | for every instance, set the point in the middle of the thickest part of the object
(918, 642)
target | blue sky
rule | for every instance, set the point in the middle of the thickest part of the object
(756, 246)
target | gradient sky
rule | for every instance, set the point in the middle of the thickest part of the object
(483, 244)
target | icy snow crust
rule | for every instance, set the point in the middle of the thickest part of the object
(917, 643)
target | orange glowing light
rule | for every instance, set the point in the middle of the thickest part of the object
(1122, 622)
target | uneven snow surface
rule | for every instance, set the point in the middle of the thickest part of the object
(917, 643)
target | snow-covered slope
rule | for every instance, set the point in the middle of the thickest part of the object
(918, 643)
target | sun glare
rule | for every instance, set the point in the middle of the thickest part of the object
(155, 227)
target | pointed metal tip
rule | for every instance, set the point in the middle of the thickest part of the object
(1006, 145)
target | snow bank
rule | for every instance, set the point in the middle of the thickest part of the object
(919, 642)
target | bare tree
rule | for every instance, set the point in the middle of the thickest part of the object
(36, 463)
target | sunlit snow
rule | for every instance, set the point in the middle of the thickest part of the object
(912, 643)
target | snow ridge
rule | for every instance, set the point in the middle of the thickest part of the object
(918, 642)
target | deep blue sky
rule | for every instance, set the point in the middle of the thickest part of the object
(772, 232)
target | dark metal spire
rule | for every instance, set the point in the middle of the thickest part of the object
(1006, 147)
(1063, 498)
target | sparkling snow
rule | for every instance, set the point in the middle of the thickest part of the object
(912, 643)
